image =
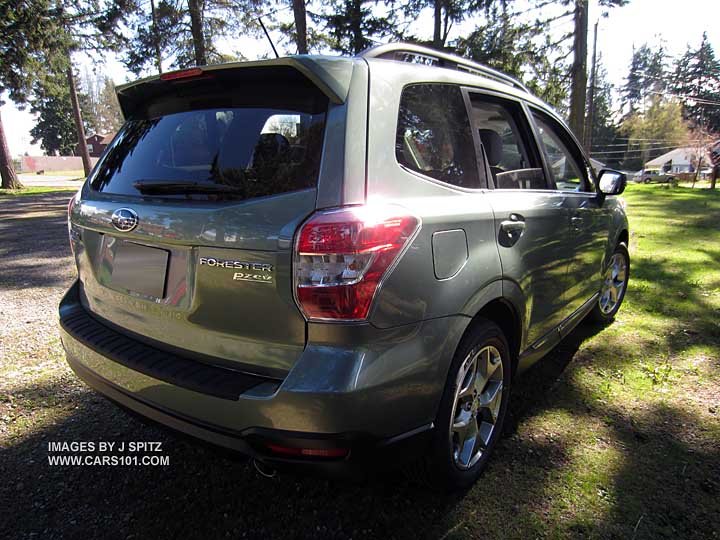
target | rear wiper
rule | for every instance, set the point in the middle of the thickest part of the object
(175, 188)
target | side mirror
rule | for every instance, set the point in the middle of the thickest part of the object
(612, 182)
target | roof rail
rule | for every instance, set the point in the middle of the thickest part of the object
(417, 54)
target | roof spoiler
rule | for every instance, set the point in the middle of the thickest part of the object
(331, 75)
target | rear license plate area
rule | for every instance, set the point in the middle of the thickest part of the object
(139, 269)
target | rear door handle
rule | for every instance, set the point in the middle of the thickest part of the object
(511, 230)
(576, 222)
(512, 227)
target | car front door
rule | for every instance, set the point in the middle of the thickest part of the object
(532, 224)
(589, 220)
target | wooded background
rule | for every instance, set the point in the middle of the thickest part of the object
(662, 104)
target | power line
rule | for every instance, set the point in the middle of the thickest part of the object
(636, 150)
(700, 100)
(538, 6)
(633, 139)
(625, 144)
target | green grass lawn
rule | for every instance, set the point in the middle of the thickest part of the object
(625, 442)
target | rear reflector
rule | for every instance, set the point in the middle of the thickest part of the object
(342, 255)
(182, 74)
(71, 205)
(309, 452)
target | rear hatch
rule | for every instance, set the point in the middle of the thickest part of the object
(184, 230)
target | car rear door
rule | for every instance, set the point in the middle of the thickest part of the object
(184, 230)
(531, 220)
(589, 220)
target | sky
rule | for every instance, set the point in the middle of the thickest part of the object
(669, 22)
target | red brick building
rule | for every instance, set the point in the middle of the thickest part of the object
(96, 144)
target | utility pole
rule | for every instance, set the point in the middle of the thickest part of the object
(82, 143)
(578, 72)
(593, 89)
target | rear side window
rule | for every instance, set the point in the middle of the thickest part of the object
(434, 137)
(237, 152)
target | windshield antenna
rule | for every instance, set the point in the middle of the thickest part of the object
(268, 36)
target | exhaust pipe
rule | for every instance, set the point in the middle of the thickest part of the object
(264, 469)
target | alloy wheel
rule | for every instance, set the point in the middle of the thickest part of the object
(614, 284)
(477, 403)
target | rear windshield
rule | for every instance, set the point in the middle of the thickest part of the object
(253, 151)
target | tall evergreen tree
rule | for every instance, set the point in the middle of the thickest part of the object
(647, 77)
(24, 37)
(54, 127)
(352, 24)
(696, 80)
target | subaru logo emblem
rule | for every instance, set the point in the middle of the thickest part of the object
(124, 219)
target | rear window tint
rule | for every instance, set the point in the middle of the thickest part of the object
(256, 151)
(433, 135)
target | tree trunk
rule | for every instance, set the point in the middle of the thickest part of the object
(578, 72)
(7, 171)
(196, 28)
(714, 176)
(356, 25)
(82, 143)
(698, 168)
(437, 32)
(156, 37)
(300, 26)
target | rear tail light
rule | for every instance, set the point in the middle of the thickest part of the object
(292, 451)
(341, 257)
(71, 205)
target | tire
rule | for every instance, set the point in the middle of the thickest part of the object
(608, 303)
(444, 468)
(646, 181)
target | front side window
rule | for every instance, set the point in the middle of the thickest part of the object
(564, 164)
(500, 125)
(433, 135)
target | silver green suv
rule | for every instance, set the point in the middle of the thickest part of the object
(337, 262)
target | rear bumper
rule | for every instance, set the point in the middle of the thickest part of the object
(379, 395)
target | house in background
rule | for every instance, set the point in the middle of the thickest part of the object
(680, 160)
(96, 144)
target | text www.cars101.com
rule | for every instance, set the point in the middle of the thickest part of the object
(111, 461)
